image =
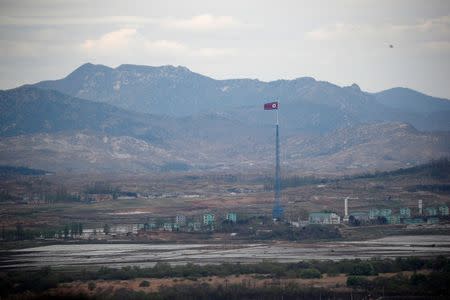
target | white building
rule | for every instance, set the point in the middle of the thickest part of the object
(324, 218)
(180, 220)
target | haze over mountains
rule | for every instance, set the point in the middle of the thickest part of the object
(140, 118)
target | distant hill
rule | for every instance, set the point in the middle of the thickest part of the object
(424, 112)
(306, 104)
(380, 146)
(140, 119)
(412, 101)
(45, 129)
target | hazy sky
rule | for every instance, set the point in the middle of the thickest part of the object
(342, 42)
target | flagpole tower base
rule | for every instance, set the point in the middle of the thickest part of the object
(277, 211)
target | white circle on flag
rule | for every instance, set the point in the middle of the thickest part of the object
(274, 105)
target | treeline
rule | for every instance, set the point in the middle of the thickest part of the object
(11, 171)
(44, 193)
(309, 232)
(21, 233)
(100, 187)
(61, 195)
(263, 228)
(435, 188)
(5, 196)
(18, 234)
(205, 291)
(303, 269)
(296, 181)
(435, 283)
(437, 169)
(432, 284)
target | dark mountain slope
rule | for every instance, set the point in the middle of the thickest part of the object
(29, 110)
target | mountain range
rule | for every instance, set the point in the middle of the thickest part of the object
(141, 118)
(306, 104)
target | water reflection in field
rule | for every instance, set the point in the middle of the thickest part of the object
(146, 255)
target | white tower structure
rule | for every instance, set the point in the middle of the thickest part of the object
(346, 217)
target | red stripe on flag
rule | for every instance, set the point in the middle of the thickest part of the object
(271, 105)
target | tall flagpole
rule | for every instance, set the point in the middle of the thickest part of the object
(277, 212)
(277, 112)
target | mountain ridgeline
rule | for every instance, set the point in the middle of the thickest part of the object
(306, 104)
(140, 118)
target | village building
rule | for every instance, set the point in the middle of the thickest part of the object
(431, 211)
(150, 226)
(167, 227)
(374, 213)
(393, 219)
(194, 226)
(231, 216)
(180, 220)
(405, 212)
(208, 219)
(384, 212)
(443, 210)
(360, 216)
(324, 218)
(433, 220)
(124, 229)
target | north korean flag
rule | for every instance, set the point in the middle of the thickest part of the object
(271, 105)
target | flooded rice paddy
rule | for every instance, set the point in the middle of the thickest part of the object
(147, 255)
